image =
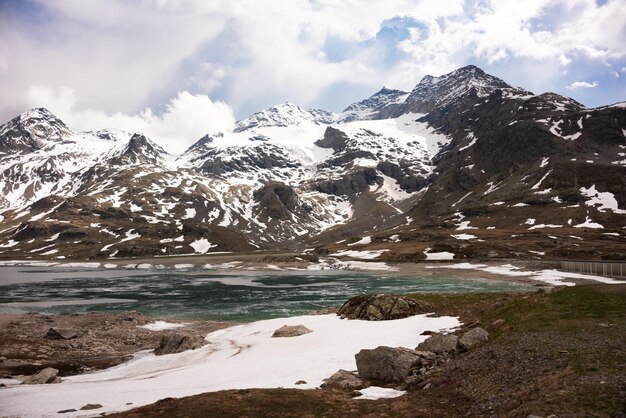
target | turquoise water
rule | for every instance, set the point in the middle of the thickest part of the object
(199, 294)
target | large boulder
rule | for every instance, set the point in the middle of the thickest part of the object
(343, 380)
(439, 343)
(381, 307)
(177, 342)
(388, 364)
(473, 337)
(291, 331)
(61, 334)
(47, 375)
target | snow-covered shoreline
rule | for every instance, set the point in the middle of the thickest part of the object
(550, 276)
(496, 270)
(239, 357)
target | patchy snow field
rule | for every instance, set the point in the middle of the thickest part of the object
(244, 356)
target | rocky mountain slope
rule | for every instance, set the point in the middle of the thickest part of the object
(464, 166)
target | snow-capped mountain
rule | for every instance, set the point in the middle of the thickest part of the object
(465, 164)
(32, 130)
(286, 114)
(382, 104)
(470, 81)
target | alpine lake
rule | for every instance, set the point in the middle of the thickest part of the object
(205, 294)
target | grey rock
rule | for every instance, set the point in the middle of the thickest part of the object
(473, 337)
(61, 334)
(381, 307)
(498, 323)
(387, 364)
(66, 411)
(291, 331)
(47, 375)
(91, 406)
(343, 380)
(177, 342)
(439, 343)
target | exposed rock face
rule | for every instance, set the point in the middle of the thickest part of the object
(278, 200)
(220, 162)
(140, 150)
(47, 375)
(291, 331)
(177, 342)
(473, 337)
(381, 307)
(352, 183)
(333, 138)
(439, 343)
(61, 334)
(387, 364)
(343, 380)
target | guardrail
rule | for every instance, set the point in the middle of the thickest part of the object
(599, 268)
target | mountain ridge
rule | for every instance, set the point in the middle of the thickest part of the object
(405, 170)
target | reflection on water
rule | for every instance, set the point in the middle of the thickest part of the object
(206, 294)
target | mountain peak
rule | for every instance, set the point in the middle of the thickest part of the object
(37, 112)
(433, 92)
(553, 101)
(284, 114)
(140, 150)
(375, 106)
(32, 130)
(470, 68)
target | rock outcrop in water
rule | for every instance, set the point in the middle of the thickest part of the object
(382, 307)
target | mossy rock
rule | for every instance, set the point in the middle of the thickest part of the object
(382, 307)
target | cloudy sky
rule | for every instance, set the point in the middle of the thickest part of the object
(179, 69)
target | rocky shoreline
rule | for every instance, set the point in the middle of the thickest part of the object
(92, 341)
(515, 355)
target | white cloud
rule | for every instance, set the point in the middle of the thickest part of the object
(208, 76)
(186, 118)
(122, 56)
(582, 85)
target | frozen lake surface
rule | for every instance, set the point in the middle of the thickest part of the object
(205, 294)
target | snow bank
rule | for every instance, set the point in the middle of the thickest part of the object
(443, 255)
(363, 255)
(366, 265)
(240, 357)
(376, 392)
(463, 236)
(202, 245)
(553, 277)
(603, 201)
(362, 241)
(589, 224)
(161, 325)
